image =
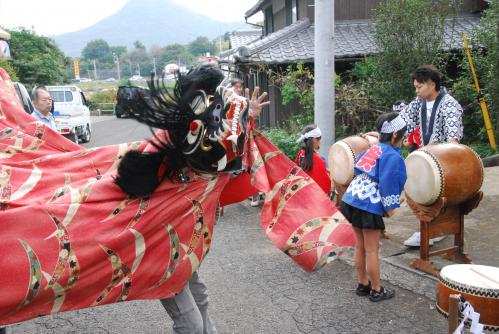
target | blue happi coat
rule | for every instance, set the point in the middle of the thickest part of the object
(379, 178)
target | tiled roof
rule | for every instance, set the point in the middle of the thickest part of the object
(352, 39)
(243, 37)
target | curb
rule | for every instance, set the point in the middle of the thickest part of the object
(491, 161)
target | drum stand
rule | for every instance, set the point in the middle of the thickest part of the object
(440, 220)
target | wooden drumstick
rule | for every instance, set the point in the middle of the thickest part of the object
(484, 276)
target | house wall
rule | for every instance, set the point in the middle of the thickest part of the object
(280, 19)
(349, 9)
(343, 9)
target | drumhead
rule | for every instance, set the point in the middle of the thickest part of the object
(424, 182)
(472, 276)
(341, 160)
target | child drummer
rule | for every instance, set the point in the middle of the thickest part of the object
(374, 193)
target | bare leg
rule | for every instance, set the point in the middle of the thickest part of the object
(360, 257)
(371, 245)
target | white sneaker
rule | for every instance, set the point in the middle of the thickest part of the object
(437, 239)
(415, 240)
(255, 203)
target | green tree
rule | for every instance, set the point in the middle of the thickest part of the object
(200, 46)
(97, 49)
(118, 50)
(174, 53)
(139, 60)
(487, 57)
(139, 45)
(9, 68)
(37, 59)
(408, 33)
(485, 53)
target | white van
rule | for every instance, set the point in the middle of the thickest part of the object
(71, 113)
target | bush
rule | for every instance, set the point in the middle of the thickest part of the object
(485, 53)
(483, 150)
(356, 111)
(9, 68)
(103, 99)
(284, 140)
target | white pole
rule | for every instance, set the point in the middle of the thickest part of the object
(95, 70)
(324, 72)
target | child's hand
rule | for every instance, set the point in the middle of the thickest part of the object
(372, 134)
(389, 213)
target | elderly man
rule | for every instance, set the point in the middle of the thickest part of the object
(43, 105)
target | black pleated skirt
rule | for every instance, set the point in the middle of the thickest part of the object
(362, 219)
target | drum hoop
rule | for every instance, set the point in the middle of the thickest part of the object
(470, 290)
(440, 171)
(467, 323)
(346, 146)
(436, 163)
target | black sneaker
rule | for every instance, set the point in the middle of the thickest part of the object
(376, 296)
(363, 290)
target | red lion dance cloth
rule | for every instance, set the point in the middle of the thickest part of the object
(72, 239)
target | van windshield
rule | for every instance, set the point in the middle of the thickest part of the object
(61, 96)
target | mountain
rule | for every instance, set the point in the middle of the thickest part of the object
(153, 22)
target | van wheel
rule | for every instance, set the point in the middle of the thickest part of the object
(85, 138)
(74, 138)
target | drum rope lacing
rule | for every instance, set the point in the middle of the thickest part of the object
(471, 290)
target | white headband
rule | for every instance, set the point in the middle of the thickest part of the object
(395, 124)
(314, 133)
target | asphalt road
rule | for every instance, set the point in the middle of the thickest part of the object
(254, 288)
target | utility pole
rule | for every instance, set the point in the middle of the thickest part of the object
(95, 70)
(154, 65)
(117, 62)
(130, 67)
(324, 110)
(138, 69)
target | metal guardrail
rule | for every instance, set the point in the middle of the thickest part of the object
(104, 108)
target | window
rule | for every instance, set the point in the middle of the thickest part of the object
(61, 96)
(291, 11)
(83, 99)
(269, 20)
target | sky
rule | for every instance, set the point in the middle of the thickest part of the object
(53, 17)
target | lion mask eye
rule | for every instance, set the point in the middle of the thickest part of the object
(199, 103)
